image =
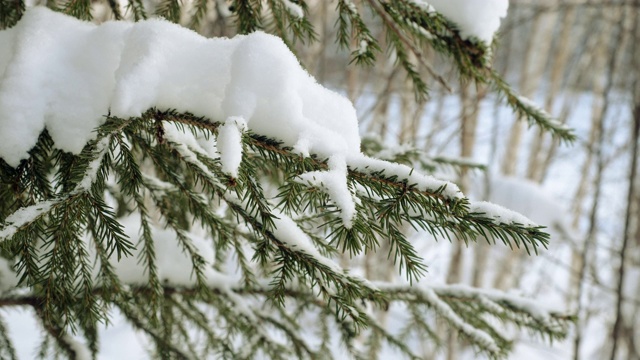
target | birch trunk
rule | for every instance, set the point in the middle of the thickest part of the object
(538, 44)
(616, 41)
(539, 159)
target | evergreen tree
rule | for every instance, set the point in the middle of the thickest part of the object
(212, 256)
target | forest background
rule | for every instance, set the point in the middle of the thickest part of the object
(580, 60)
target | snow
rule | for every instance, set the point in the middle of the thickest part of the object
(188, 147)
(8, 280)
(28, 214)
(531, 104)
(351, 6)
(249, 82)
(36, 91)
(223, 8)
(364, 47)
(434, 293)
(279, 99)
(446, 311)
(527, 198)
(287, 231)
(474, 18)
(24, 216)
(334, 182)
(500, 214)
(174, 265)
(91, 173)
(157, 185)
(402, 172)
(538, 310)
(293, 9)
(230, 144)
(81, 351)
(128, 68)
(423, 5)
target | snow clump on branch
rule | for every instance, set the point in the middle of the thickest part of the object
(474, 18)
(65, 75)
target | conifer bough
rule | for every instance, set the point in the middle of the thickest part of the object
(183, 181)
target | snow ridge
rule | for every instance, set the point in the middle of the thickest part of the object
(126, 68)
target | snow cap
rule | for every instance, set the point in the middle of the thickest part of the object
(65, 75)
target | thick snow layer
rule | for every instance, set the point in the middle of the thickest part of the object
(66, 75)
(479, 18)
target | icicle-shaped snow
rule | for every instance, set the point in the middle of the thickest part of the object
(230, 144)
(334, 182)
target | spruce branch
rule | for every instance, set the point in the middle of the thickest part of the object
(170, 10)
(80, 9)
(386, 201)
(136, 7)
(247, 15)
(200, 11)
(534, 115)
(352, 26)
(466, 309)
(58, 225)
(114, 5)
(10, 12)
(467, 226)
(284, 22)
(399, 39)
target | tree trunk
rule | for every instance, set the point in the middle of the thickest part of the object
(617, 39)
(537, 159)
(538, 45)
(631, 216)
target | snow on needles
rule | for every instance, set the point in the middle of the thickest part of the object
(334, 182)
(230, 144)
(500, 214)
(174, 266)
(65, 75)
(479, 18)
(293, 9)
